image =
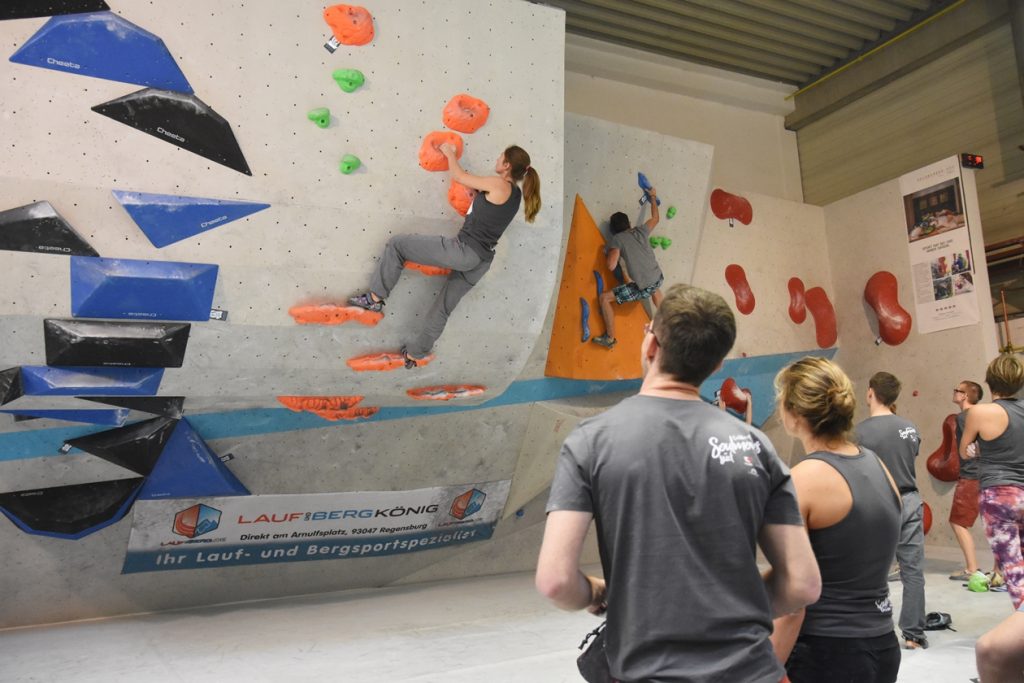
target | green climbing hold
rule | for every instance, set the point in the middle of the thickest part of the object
(349, 163)
(655, 241)
(348, 80)
(321, 116)
(671, 213)
(659, 241)
(665, 243)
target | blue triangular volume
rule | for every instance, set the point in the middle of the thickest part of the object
(757, 373)
(187, 468)
(166, 219)
(103, 45)
(141, 290)
(114, 418)
(39, 380)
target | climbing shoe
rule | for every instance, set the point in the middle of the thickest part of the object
(366, 301)
(605, 341)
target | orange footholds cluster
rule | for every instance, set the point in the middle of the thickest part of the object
(466, 113)
(461, 197)
(300, 403)
(431, 158)
(383, 362)
(446, 392)
(329, 407)
(824, 317)
(737, 279)
(349, 414)
(350, 24)
(427, 270)
(330, 314)
(797, 305)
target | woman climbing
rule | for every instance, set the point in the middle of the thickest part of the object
(468, 254)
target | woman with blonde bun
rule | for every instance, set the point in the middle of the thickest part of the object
(851, 509)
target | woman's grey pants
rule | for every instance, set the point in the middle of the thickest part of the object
(430, 250)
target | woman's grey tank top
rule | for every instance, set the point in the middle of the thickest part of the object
(1002, 458)
(854, 554)
(486, 223)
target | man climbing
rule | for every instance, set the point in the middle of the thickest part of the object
(631, 247)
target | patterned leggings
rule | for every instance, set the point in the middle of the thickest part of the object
(1002, 508)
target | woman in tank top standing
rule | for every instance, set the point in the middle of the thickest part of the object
(851, 508)
(999, 429)
(469, 254)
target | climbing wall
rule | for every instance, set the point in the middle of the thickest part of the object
(213, 221)
(261, 66)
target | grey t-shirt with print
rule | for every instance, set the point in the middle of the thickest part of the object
(896, 442)
(635, 249)
(679, 491)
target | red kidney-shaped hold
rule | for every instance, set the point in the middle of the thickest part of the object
(737, 279)
(927, 518)
(944, 463)
(797, 305)
(882, 294)
(731, 207)
(824, 316)
(734, 397)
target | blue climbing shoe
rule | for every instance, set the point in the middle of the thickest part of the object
(366, 301)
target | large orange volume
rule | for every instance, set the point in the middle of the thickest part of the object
(431, 158)
(568, 357)
(350, 24)
(465, 113)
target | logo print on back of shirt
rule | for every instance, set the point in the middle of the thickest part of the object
(884, 605)
(909, 433)
(725, 451)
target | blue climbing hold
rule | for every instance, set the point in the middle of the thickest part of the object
(166, 218)
(600, 284)
(585, 318)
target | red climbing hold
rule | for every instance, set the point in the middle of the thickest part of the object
(331, 314)
(427, 270)
(737, 279)
(944, 463)
(927, 518)
(383, 362)
(734, 397)
(461, 197)
(350, 414)
(731, 207)
(431, 158)
(351, 24)
(797, 305)
(466, 113)
(446, 392)
(882, 294)
(824, 317)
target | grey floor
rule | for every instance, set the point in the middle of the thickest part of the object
(493, 629)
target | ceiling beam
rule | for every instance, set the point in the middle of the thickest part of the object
(817, 18)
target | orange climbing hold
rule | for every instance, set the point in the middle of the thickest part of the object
(349, 414)
(351, 24)
(466, 113)
(383, 362)
(299, 403)
(446, 392)
(431, 158)
(461, 197)
(331, 314)
(427, 270)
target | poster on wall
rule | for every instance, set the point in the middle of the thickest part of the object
(198, 533)
(939, 241)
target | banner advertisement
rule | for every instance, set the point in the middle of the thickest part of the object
(197, 533)
(941, 260)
